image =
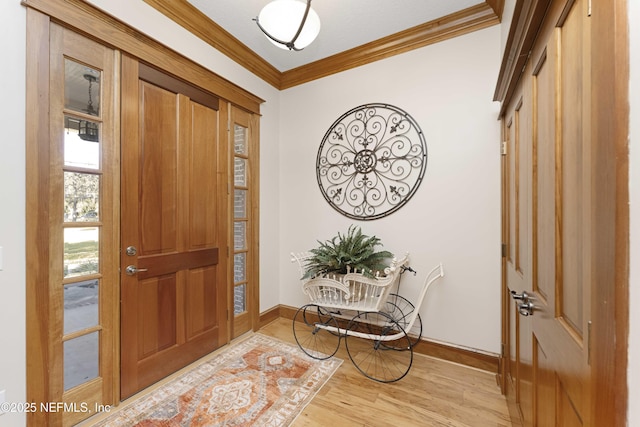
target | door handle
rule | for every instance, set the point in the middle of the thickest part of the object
(526, 308)
(524, 296)
(132, 269)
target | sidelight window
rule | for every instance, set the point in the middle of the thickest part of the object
(81, 227)
(240, 217)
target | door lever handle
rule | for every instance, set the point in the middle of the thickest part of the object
(524, 296)
(526, 308)
(132, 269)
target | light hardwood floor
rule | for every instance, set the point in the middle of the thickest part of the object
(434, 393)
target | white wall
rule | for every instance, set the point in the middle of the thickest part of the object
(633, 378)
(293, 212)
(12, 209)
(454, 217)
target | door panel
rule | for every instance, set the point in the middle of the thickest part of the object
(518, 159)
(561, 311)
(544, 179)
(545, 384)
(173, 301)
(553, 148)
(202, 300)
(203, 168)
(156, 316)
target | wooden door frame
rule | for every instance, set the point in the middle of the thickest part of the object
(93, 23)
(610, 131)
(610, 208)
(48, 45)
(87, 20)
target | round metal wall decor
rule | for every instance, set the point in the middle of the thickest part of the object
(371, 161)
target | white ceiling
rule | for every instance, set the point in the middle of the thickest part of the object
(345, 24)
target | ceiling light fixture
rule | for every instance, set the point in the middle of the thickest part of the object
(289, 24)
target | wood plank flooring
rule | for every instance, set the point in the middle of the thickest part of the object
(434, 393)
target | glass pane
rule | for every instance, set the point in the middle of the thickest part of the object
(239, 293)
(240, 139)
(240, 172)
(240, 203)
(81, 197)
(80, 306)
(81, 88)
(239, 235)
(81, 360)
(81, 251)
(81, 151)
(239, 267)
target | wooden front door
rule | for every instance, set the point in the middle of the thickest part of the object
(549, 196)
(174, 200)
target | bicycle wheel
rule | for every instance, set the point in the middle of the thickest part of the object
(400, 309)
(315, 341)
(378, 359)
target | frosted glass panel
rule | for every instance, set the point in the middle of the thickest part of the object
(239, 299)
(81, 251)
(240, 139)
(80, 306)
(239, 267)
(239, 235)
(81, 360)
(240, 203)
(240, 172)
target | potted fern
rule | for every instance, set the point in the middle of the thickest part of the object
(352, 250)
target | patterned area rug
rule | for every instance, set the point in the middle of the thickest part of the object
(260, 381)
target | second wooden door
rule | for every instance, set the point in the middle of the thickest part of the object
(549, 212)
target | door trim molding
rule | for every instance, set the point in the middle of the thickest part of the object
(88, 20)
(526, 21)
(37, 179)
(609, 133)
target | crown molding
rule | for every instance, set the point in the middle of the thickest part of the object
(196, 22)
(465, 21)
(459, 23)
(497, 6)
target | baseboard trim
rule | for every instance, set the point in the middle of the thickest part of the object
(467, 357)
(269, 316)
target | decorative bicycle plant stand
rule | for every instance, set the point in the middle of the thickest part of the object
(374, 322)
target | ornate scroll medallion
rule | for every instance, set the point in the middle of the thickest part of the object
(371, 161)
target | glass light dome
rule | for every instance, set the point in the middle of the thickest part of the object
(281, 19)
